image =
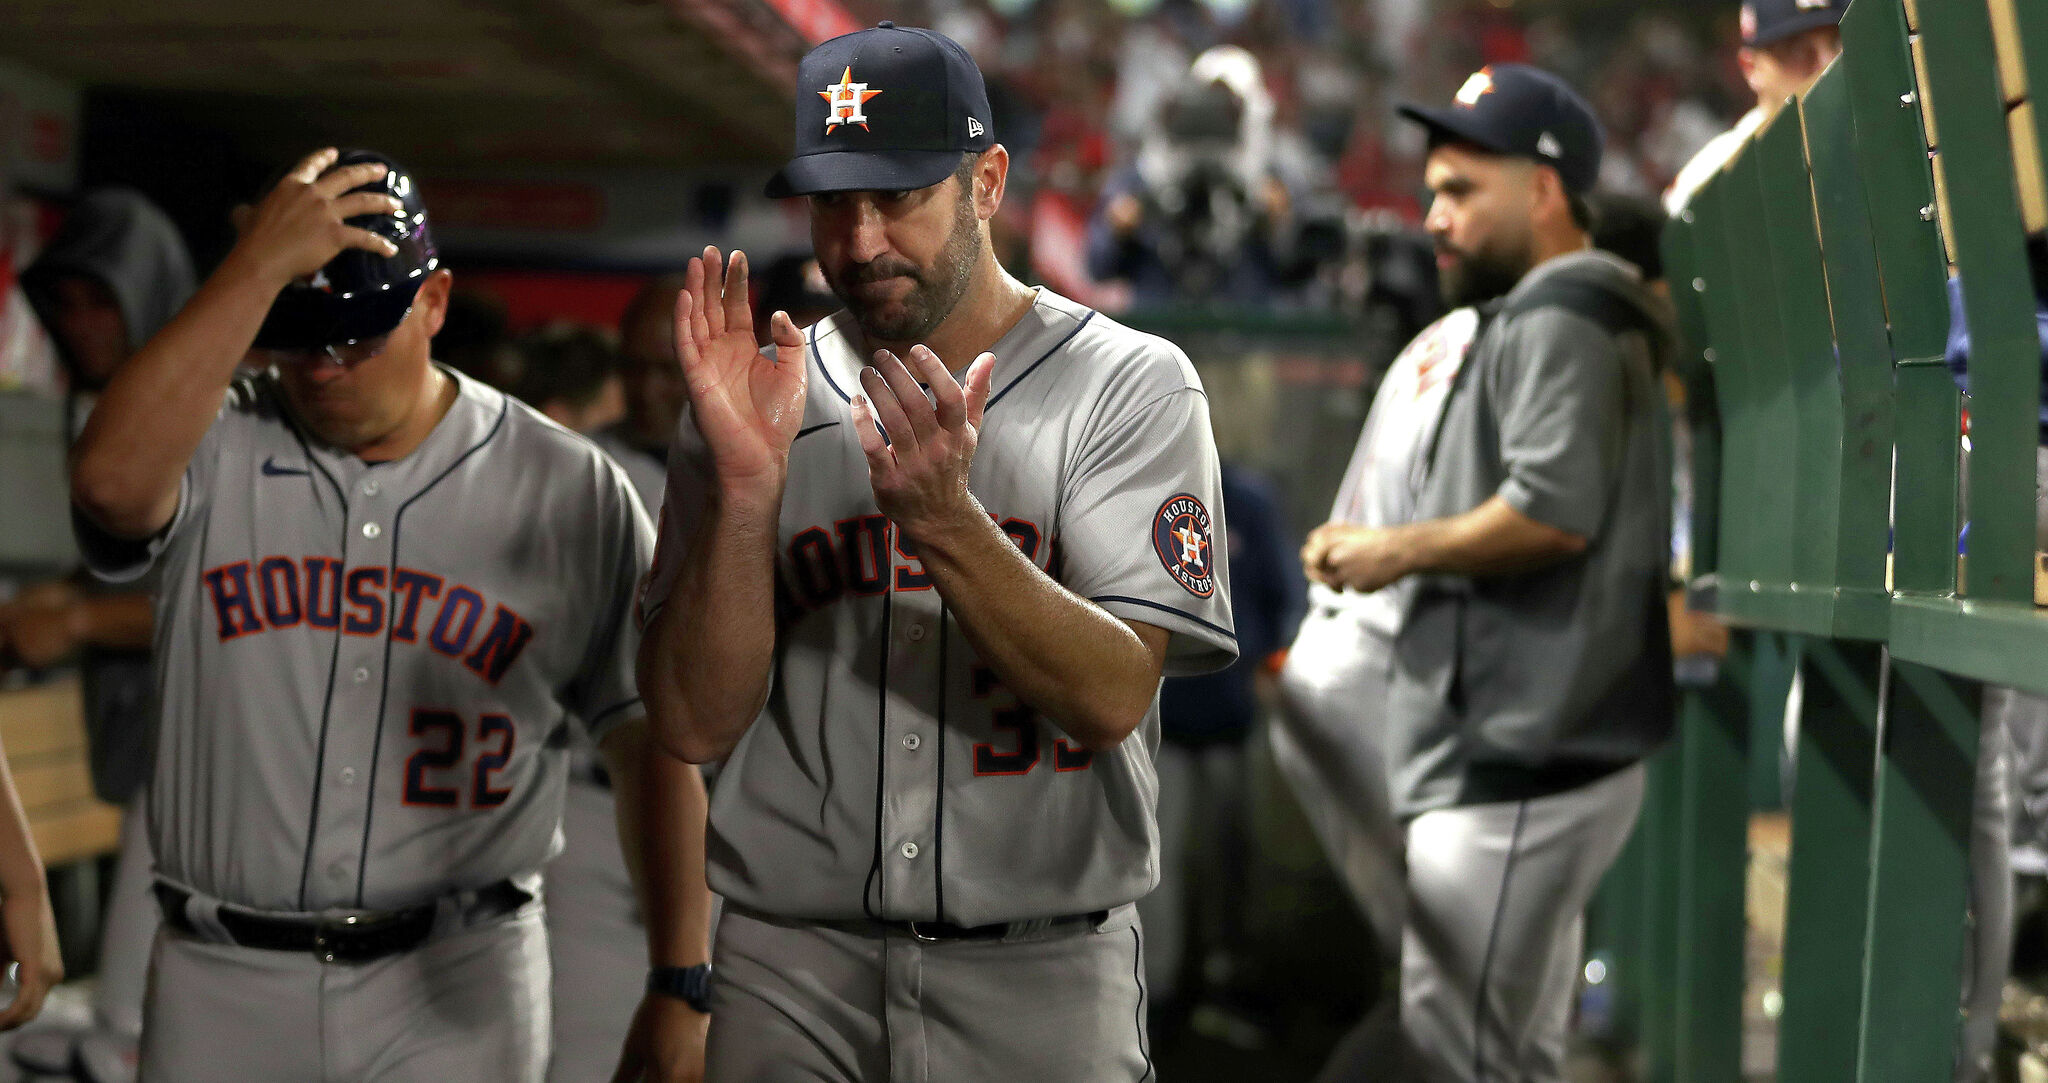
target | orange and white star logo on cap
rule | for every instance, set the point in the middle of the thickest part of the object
(843, 102)
(1475, 88)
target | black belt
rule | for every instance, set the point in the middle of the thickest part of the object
(343, 938)
(946, 930)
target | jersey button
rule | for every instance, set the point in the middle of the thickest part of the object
(911, 741)
(348, 776)
(371, 530)
(916, 632)
(361, 674)
(370, 488)
(338, 870)
(910, 850)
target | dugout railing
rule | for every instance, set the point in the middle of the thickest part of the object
(1841, 505)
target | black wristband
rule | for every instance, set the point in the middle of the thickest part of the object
(689, 984)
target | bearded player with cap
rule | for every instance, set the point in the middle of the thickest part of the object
(387, 592)
(924, 630)
(1529, 671)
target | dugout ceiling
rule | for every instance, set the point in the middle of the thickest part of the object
(438, 83)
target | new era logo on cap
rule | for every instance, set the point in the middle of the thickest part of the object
(1548, 146)
(974, 129)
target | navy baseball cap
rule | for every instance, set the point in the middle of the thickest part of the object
(890, 108)
(1525, 112)
(1765, 22)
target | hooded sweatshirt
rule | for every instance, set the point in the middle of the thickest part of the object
(1520, 685)
(117, 237)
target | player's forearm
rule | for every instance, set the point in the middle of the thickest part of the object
(1085, 671)
(1491, 539)
(21, 869)
(120, 621)
(660, 804)
(158, 406)
(705, 661)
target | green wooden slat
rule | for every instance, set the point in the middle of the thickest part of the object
(1702, 414)
(1998, 298)
(1987, 641)
(1769, 663)
(1742, 447)
(1800, 291)
(1919, 876)
(1897, 182)
(1898, 188)
(1830, 866)
(1863, 353)
(1661, 825)
(1712, 877)
(1766, 367)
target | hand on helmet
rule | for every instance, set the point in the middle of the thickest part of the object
(302, 223)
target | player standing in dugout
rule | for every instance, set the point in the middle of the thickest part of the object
(386, 588)
(930, 660)
(1530, 673)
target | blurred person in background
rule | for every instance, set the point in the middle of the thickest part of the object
(1786, 44)
(1531, 672)
(1206, 722)
(474, 341)
(571, 373)
(1329, 738)
(597, 937)
(116, 271)
(1197, 215)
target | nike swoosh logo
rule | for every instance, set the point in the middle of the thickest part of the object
(272, 470)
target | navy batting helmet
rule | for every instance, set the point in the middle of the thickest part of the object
(359, 295)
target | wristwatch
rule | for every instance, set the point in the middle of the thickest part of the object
(689, 984)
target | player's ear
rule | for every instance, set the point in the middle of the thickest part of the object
(432, 299)
(1548, 201)
(991, 176)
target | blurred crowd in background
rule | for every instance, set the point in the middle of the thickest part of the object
(1246, 151)
(1185, 153)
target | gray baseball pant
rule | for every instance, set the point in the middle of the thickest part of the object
(801, 1002)
(1326, 742)
(1496, 924)
(472, 1004)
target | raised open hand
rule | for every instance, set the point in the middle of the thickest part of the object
(746, 404)
(302, 223)
(920, 472)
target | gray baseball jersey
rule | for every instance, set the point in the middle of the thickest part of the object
(890, 773)
(367, 671)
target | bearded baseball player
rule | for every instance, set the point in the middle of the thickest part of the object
(1530, 668)
(387, 591)
(921, 570)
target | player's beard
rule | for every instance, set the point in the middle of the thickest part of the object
(1483, 273)
(934, 292)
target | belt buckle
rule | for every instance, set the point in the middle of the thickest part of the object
(323, 943)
